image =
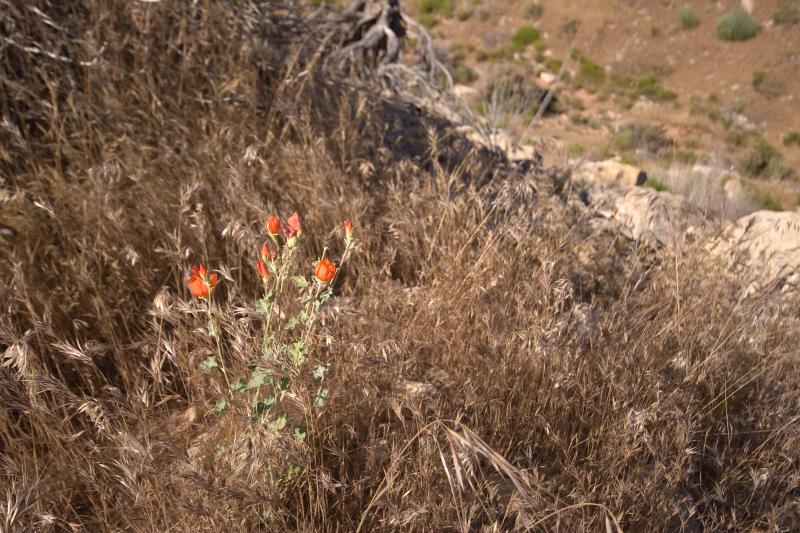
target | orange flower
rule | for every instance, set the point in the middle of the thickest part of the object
(262, 270)
(348, 230)
(200, 283)
(325, 270)
(273, 225)
(266, 253)
(293, 226)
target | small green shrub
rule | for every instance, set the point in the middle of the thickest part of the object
(534, 10)
(737, 137)
(443, 8)
(464, 75)
(641, 136)
(629, 89)
(427, 19)
(759, 77)
(737, 25)
(761, 159)
(500, 53)
(569, 28)
(524, 36)
(764, 86)
(481, 107)
(578, 119)
(786, 16)
(792, 138)
(575, 149)
(763, 200)
(687, 18)
(603, 151)
(656, 184)
(553, 64)
(687, 157)
(512, 92)
(768, 202)
(623, 140)
(652, 87)
(463, 14)
(589, 72)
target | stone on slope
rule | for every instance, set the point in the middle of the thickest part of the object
(647, 215)
(611, 172)
(763, 249)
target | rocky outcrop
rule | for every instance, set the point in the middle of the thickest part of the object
(611, 172)
(763, 250)
(644, 214)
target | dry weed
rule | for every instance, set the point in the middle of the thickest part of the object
(497, 362)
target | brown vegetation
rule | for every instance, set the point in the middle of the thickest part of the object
(497, 362)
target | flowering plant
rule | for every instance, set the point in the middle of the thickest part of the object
(276, 374)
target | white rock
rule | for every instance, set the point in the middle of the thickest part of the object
(547, 77)
(763, 249)
(647, 215)
(464, 91)
(609, 171)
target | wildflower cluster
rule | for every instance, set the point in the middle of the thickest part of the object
(289, 307)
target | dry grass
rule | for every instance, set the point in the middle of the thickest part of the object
(497, 363)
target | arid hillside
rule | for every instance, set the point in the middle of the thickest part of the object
(263, 271)
(645, 64)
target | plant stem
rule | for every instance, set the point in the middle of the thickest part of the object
(219, 346)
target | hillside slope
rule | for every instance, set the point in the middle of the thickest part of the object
(497, 352)
(638, 64)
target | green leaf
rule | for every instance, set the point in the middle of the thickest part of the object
(282, 384)
(268, 346)
(209, 364)
(259, 408)
(319, 371)
(291, 324)
(212, 330)
(262, 306)
(277, 424)
(259, 377)
(292, 472)
(300, 281)
(300, 433)
(219, 452)
(220, 407)
(298, 351)
(322, 395)
(239, 385)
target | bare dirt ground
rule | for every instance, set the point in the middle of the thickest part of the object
(721, 88)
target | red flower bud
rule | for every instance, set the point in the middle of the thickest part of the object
(289, 231)
(273, 225)
(262, 270)
(200, 283)
(348, 229)
(325, 270)
(294, 223)
(197, 287)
